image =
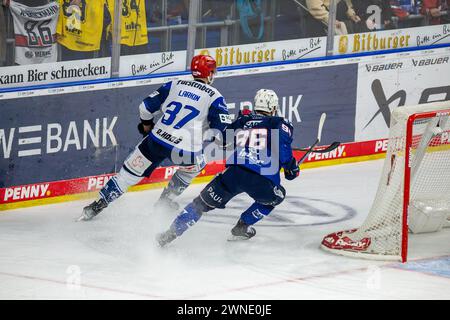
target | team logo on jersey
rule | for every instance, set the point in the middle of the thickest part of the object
(75, 11)
(154, 94)
(286, 129)
(225, 118)
(74, 19)
(251, 124)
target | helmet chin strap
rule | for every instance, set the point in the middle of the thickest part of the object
(273, 113)
(211, 78)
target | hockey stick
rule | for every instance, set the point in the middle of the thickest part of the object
(309, 150)
(331, 147)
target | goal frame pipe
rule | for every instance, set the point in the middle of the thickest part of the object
(407, 178)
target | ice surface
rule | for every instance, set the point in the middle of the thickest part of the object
(45, 254)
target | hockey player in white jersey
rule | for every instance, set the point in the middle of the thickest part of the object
(187, 108)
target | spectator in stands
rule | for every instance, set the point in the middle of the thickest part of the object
(434, 10)
(368, 11)
(178, 8)
(317, 19)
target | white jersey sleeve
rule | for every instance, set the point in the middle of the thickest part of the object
(188, 109)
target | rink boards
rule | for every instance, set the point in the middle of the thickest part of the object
(63, 142)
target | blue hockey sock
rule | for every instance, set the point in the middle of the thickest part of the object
(111, 191)
(255, 213)
(186, 219)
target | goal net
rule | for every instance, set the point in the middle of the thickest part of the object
(414, 190)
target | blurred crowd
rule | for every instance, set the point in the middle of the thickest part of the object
(355, 16)
(38, 31)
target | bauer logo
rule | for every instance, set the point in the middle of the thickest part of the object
(429, 62)
(27, 192)
(384, 67)
(52, 138)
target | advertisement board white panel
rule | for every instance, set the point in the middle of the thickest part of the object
(391, 82)
(151, 63)
(58, 72)
(267, 51)
(392, 39)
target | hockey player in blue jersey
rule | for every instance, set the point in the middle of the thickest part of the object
(187, 108)
(262, 147)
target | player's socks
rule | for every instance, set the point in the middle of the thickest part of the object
(112, 190)
(186, 219)
(255, 213)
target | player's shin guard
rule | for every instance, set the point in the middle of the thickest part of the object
(186, 219)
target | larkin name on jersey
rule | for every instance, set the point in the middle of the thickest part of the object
(35, 32)
(188, 109)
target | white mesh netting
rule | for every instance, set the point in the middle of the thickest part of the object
(380, 236)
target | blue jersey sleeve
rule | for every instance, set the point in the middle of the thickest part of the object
(218, 115)
(286, 137)
(153, 102)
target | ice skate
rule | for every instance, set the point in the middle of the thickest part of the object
(92, 210)
(165, 203)
(242, 231)
(165, 238)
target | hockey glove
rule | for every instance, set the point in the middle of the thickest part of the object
(145, 129)
(291, 171)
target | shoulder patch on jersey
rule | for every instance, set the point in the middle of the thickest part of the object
(286, 128)
(225, 118)
(252, 123)
(153, 94)
(287, 121)
(220, 103)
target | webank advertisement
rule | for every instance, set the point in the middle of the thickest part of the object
(62, 136)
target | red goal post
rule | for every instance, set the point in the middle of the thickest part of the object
(416, 172)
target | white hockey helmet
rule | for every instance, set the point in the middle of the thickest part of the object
(266, 101)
